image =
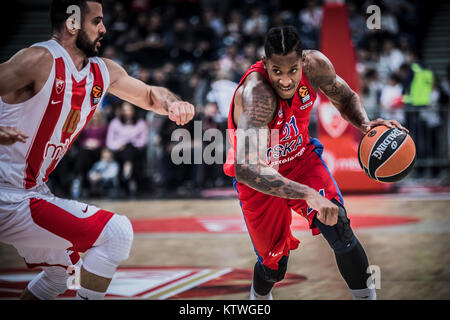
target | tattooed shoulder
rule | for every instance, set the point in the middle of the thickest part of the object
(259, 102)
(318, 69)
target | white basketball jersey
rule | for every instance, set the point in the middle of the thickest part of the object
(52, 119)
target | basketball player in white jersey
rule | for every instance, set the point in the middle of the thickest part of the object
(49, 92)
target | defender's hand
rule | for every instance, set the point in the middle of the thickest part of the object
(181, 112)
(366, 127)
(10, 135)
(327, 211)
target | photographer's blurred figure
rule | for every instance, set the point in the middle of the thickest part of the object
(104, 175)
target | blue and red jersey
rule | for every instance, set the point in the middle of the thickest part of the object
(288, 129)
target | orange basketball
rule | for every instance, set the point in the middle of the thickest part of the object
(387, 154)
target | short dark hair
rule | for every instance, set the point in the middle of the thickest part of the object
(282, 40)
(58, 11)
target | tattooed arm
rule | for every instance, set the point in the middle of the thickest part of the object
(255, 105)
(320, 70)
(152, 98)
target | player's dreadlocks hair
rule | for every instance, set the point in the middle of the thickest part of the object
(59, 14)
(282, 40)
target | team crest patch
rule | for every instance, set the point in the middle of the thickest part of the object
(303, 92)
(59, 85)
(97, 92)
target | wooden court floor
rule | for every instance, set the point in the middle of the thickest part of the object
(413, 258)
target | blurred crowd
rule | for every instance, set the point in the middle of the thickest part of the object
(199, 49)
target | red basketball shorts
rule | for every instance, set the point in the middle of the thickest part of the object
(268, 218)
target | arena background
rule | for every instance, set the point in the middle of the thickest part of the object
(191, 241)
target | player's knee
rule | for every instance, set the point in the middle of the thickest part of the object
(347, 239)
(112, 247)
(340, 236)
(271, 275)
(120, 238)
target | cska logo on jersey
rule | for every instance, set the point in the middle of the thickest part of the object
(59, 85)
(96, 94)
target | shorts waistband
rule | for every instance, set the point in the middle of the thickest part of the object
(43, 188)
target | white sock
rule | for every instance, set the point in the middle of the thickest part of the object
(86, 294)
(364, 294)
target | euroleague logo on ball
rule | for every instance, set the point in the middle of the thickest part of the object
(372, 133)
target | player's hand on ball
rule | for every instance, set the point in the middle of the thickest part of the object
(366, 127)
(11, 135)
(327, 211)
(181, 112)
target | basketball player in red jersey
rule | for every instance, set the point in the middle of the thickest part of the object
(277, 173)
(49, 92)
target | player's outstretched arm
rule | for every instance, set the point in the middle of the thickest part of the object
(153, 98)
(323, 75)
(258, 108)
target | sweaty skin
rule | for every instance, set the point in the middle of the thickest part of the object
(255, 106)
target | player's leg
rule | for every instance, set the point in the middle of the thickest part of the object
(268, 221)
(48, 227)
(50, 282)
(102, 259)
(264, 278)
(350, 256)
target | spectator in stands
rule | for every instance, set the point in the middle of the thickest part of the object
(228, 67)
(371, 90)
(391, 58)
(407, 49)
(91, 142)
(246, 59)
(255, 27)
(207, 174)
(221, 93)
(127, 137)
(234, 25)
(391, 99)
(311, 15)
(214, 22)
(310, 21)
(149, 42)
(389, 21)
(104, 176)
(357, 23)
(419, 83)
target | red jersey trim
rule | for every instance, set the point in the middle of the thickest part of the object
(78, 96)
(35, 156)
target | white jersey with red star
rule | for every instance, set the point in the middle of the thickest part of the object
(52, 118)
